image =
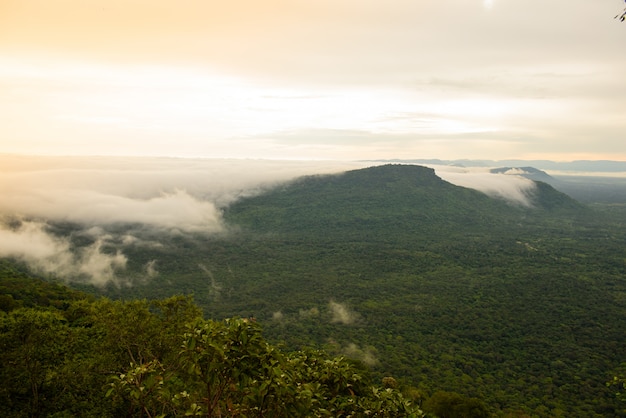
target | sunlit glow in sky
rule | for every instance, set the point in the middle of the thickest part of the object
(342, 79)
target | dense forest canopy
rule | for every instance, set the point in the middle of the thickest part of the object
(462, 299)
(161, 358)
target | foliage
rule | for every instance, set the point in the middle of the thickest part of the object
(19, 289)
(618, 385)
(451, 290)
(162, 358)
(443, 288)
(227, 369)
(453, 405)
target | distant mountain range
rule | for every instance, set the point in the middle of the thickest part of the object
(600, 181)
(584, 188)
(531, 173)
(596, 166)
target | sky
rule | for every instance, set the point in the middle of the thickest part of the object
(313, 79)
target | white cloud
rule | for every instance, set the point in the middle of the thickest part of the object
(341, 313)
(367, 355)
(203, 78)
(175, 195)
(513, 188)
(47, 254)
(182, 194)
(150, 269)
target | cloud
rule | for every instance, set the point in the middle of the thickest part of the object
(309, 313)
(173, 194)
(100, 194)
(176, 209)
(511, 187)
(128, 239)
(181, 194)
(48, 254)
(345, 40)
(367, 355)
(341, 314)
(215, 288)
(187, 80)
(515, 172)
(150, 269)
(117, 201)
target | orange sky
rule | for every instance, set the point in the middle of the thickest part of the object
(313, 79)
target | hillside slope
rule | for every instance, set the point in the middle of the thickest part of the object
(396, 199)
(440, 286)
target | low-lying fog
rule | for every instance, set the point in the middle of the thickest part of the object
(169, 194)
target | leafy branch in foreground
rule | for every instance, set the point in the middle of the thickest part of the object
(161, 358)
(227, 369)
(622, 16)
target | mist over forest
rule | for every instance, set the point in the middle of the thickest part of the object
(329, 208)
(488, 287)
(168, 195)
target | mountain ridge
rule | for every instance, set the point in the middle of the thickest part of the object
(607, 166)
(404, 197)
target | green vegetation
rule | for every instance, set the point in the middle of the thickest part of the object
(19, 289)
(467, 301)
(111, 359)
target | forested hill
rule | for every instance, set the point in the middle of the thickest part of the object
(442, 286)
(456, 294)
(400, 199)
